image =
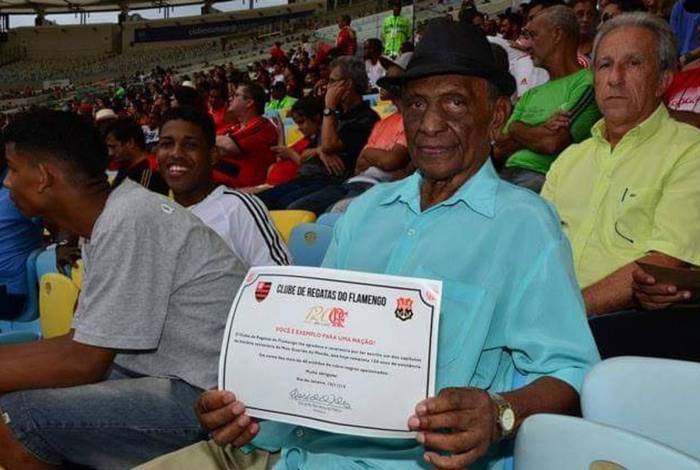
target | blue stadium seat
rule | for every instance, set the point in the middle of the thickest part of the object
(28, 320)
(308, 244)
(14, 337)
(371, 99)
(553, 442)
(46, 263)
(329, 218)
(653, 397)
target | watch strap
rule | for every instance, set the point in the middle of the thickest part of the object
(504, 409)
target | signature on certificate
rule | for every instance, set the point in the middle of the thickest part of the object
(328, 399)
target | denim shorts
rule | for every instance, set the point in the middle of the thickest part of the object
(117, 423)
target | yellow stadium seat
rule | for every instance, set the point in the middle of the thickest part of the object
(385, 110)
(76, 274)
(286, 220)
(292, 135)
(57, 299)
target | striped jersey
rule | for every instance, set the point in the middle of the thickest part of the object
(243, 222)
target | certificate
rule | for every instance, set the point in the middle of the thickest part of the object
(340, 351)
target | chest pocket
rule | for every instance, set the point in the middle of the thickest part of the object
(461, 304)
(634, 216)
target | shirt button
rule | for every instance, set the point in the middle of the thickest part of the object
(411, 232)
(299, 433)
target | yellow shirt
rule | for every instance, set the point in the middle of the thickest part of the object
(618, 205)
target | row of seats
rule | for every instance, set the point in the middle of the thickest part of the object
(638, 413)
(51, 301)
(307, 238)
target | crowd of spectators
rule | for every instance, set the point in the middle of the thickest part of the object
(435, 150)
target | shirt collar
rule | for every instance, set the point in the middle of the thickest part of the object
(643, 131)
(478, 193)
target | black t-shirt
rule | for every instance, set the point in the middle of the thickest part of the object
(354, 128)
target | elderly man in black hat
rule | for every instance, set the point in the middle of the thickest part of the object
(513, 338)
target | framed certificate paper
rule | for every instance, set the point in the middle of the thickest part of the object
(339, 351)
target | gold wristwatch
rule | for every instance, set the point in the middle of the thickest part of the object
(505, 417)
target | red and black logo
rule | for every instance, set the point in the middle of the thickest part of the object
(404, 309)
(262, 290)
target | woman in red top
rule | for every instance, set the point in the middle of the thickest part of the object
(346, 41)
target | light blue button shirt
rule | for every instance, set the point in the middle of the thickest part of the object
(511, 306)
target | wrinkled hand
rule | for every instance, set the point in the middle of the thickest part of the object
(333, 164)
(560, 120)
(653, 295)
(224, 418)
(461, 421)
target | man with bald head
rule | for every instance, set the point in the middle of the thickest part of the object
(629, 193)
(510, 304)
(551, 116)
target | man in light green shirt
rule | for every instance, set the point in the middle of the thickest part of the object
(630, 193)
(396, 30)
(551, 116)
(279, 100)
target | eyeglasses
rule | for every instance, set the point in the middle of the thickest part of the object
(528, 34)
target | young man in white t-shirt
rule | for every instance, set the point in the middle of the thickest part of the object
(185, 155)
(375, 70)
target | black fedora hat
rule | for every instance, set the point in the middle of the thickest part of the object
(449, 47)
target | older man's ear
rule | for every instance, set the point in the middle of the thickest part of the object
(664, 82)
(501, 112)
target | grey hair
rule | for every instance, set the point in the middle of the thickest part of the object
(354, 69)
(667, 57)
(564, 18)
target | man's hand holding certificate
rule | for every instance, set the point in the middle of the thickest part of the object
(339, 351)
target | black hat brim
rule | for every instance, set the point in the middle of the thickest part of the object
(504, 81)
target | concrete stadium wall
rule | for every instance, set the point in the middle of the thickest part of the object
(129, 33)
(64, 41)
(101, 39)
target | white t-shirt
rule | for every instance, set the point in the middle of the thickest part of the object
(150, 135)
(374, 72)
(521, 67)
(243, 222)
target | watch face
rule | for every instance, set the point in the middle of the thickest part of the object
(508, 420)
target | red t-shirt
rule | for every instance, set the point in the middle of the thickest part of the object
(321, 53)
(347, 41)
(249, 168)
(277, 53)
(684, 92)
(286, 170)
(218, 116)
